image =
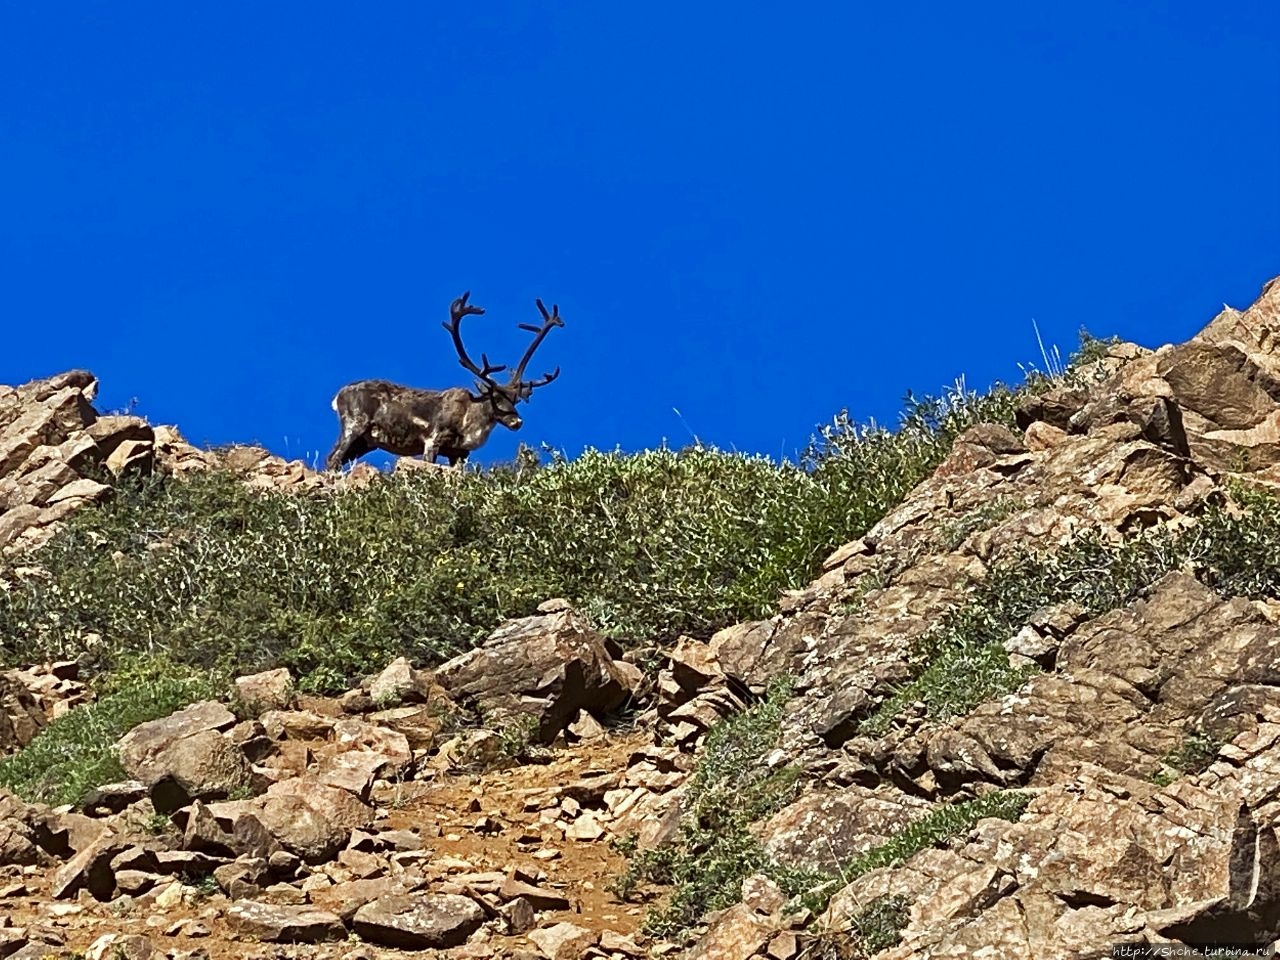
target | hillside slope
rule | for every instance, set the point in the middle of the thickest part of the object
(1032, 710)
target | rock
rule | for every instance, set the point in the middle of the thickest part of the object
(17, 833)
(12, 941)
(89, 869)
(394, 747)
(520, 916)
(611, 943)
(110, 432)
(271, 690)
(550, 667)
(762, 895)
(585, 827)
(694, 664)
(131, 457)
(120, 946)
(826, 829)
(226, 830)
(296, 725)
(514, 888)
(276, 923)
(784, 946)
(347, 897)
(586, 727)
(352, 770)
(400, 683)
(420, 725)
(21, 717)
(202, 766)
(300, 827)
(243, 879)
(134, 882)
(84, 489)
(1054, 407)
(563, 941)
(420, 921)
(735, 934)
(140, 747)
(111, 798)
(340, 807)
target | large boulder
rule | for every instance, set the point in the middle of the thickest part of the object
(418, 921)
(185, 756)
(547, 667)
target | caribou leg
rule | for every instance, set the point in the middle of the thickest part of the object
(352, 445)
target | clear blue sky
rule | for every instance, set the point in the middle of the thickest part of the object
(753, 213)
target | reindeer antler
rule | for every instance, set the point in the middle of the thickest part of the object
(549, 320)
(457, 310)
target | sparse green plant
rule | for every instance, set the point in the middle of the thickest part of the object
(961, 661)
(157, 823)
(1194, 755)
(984, 517)
(731, 788)
(879, 925)
(517, 738)
(1091, 349)
(940, 825)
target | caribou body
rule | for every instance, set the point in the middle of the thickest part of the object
(407, 421)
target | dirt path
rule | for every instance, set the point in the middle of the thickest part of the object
(476, 828)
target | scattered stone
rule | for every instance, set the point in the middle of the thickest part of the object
(563, 941)
(400, 683)
(89, 869)
(120, 946)
(140, 747)
(271, 690)
(735, 934)
(762, 895)
(550, 667)
(419, 921)
(586, 828)
(277, 923)
(513, 888)
(520, 916)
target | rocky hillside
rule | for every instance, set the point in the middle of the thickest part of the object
(1032, 711)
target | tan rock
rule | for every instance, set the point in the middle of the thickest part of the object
(271, 690)
(283, 923)
(563, 941)
(423, 921)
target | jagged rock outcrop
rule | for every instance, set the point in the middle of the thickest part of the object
(31, 697)
(56, 451)
(1103, 853)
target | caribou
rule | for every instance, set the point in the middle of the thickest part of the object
(407, 421)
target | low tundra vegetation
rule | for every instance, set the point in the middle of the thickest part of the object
(651, 545)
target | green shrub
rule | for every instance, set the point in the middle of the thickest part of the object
(649, 546)
(1194, 755)
(879, 925)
